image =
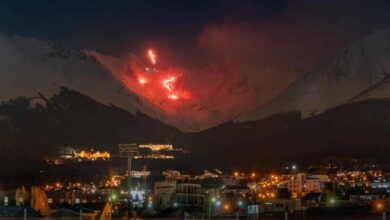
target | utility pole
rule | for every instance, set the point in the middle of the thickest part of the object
(129, 151)
(211, 201)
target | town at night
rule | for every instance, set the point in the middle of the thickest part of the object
(194, 110)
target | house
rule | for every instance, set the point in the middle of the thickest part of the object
(87, 211)
(18, 212)
(312, 199)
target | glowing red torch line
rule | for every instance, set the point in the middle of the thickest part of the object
(152, 56)
(167, 83)
(170, 82)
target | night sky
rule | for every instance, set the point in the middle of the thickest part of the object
(118, 26)
(128, 23)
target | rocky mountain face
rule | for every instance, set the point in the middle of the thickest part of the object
(71, 118)
(32, 133)
(358, 129)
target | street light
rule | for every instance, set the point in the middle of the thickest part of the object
(226, 207)
(240, 203)
(253, 175)
(379, 206)
(212, 200)
(129, 151)
(332, 201)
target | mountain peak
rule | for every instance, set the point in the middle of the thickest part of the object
(354, 69)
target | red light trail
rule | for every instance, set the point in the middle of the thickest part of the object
(152, 56)
(167, 83)
(167, 80)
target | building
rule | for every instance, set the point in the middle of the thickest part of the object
(85, 211)
(188, 195)
(157, 147)
(313, 199)
(385, 186)
(210, 174)
(18, 212)
(295, 185)
(315, 183)
(177, 194)
(301, 184)
(175, 175)
(235, 190)
(280, 205)
(164, 192)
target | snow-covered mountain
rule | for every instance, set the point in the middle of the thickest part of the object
(356, 73)
(380, 90)
(29, 67)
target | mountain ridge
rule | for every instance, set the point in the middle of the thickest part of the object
(354, 69)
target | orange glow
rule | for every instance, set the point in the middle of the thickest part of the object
(142, 80)
(173, 97)
(379, 206)
(226, 207)
(152, 56)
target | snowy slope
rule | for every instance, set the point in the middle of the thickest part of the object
(351, 72)
(380, 90)
(29, 67)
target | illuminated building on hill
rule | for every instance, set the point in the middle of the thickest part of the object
(91, 155)
(158, 151)
(157, 147)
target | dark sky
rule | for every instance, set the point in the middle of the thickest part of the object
(121, 25)
(125, 23)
